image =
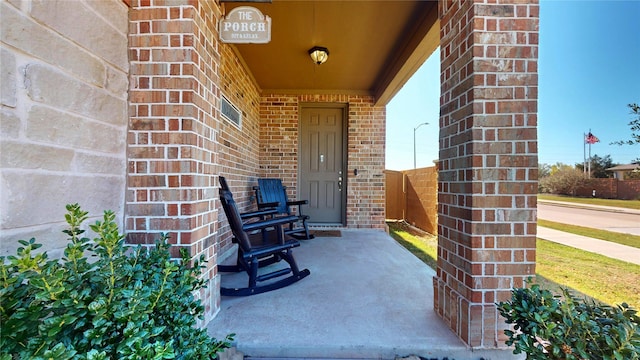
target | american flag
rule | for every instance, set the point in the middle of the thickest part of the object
(591, 139)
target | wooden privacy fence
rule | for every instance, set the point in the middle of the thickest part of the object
(412, 196)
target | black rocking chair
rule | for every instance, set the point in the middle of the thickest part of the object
(270, 193)
(260, 243)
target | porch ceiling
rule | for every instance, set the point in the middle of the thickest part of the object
(374, 46)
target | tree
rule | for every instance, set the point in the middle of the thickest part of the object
(564, 180)
(634, 124)
(599, 166)
(544, 170)
(558, 166)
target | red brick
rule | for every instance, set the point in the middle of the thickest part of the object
(503, 149)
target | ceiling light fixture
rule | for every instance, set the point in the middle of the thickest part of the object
(319, 54)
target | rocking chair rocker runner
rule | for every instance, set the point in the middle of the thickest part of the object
(260, 243)
(271, 193)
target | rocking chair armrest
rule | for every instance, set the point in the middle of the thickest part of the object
(297, 202)
(268, 205)
(259, 213)
(271, 249)
(279, 221)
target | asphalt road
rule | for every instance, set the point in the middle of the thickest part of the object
(598, 219)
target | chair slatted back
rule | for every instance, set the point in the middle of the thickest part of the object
(223, 183)
(233, 216)
(272, 190)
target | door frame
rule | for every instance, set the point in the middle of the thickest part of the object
(345, 152)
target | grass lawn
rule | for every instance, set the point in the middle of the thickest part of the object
(629, 204)
(619, 238)
(607, 280)
(602, 278)
(423, 245)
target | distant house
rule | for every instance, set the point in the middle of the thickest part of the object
(620, 170)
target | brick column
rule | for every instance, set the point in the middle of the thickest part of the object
(488, 169)
(172, 143)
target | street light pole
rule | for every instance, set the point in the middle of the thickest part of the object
(414, 142)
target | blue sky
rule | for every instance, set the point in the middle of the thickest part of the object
(588, 68)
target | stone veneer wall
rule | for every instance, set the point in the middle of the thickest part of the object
(279, 116)
(488, 174)
(64, 115)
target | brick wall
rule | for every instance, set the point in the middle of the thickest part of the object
(488, 162)
(174, 134)
(238, 156)
(605, 188)
(279, 129)
(611, 189)
(279, 116)
(63, 117)
(179, 143)
(365, 202)
(629, 189)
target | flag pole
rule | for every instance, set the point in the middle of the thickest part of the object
(584, 154)
(589, 173)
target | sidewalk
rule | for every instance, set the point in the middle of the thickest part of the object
(591, 207)
(606, 248)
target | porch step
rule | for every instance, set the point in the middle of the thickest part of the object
(488, 356)
(230, 354)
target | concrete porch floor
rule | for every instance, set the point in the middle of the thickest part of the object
(366, 298)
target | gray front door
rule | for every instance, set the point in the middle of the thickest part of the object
(322, 163)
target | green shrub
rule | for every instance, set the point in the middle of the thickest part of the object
(565, 327)
(102, 300)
